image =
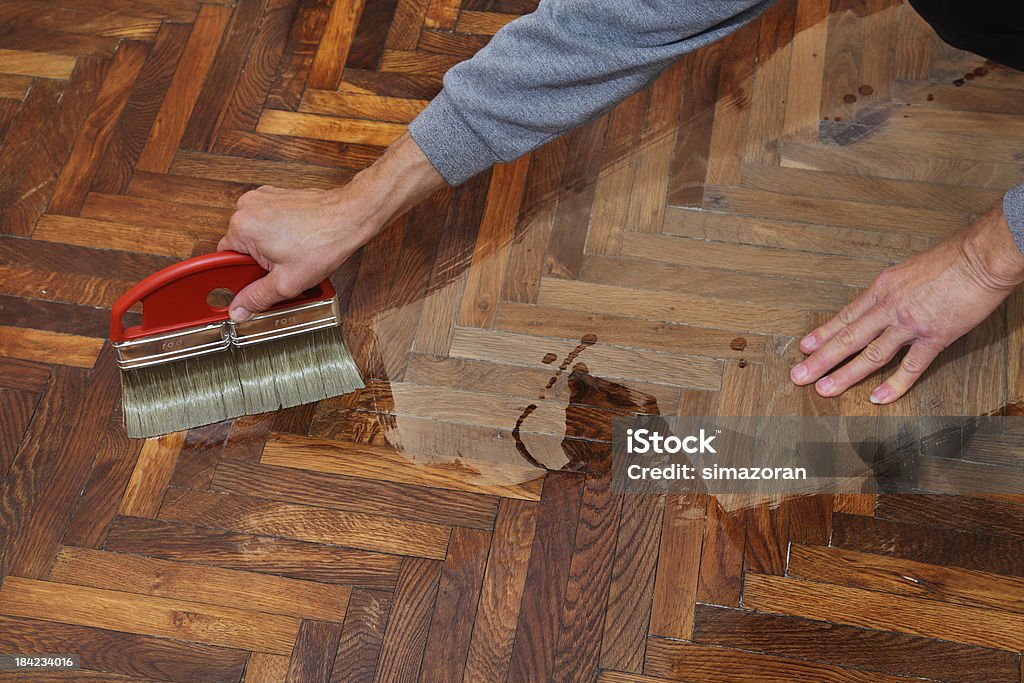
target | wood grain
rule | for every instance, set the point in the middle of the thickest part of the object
(458, 518)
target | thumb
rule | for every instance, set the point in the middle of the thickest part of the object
(257, 297)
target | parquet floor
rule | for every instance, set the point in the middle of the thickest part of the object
(405, 532)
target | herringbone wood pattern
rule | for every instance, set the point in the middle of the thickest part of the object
(660, 259)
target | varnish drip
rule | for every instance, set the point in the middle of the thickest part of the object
(520, 446)
(738, 344)
(592, 403)
(548, 358)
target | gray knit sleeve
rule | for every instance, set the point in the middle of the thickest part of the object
(551, 71)
(1013, 207)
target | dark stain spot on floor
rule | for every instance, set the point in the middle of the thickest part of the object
(931, 97)
(743, 362)
(959, 82)
(866, 90)
(969, 76)
(593, 401)
(849, 98)
(549, 358)
(738, 344)
(520, 446)
(981, 71)
(838, 118)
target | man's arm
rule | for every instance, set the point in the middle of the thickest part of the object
(558, 68)
(539, 77)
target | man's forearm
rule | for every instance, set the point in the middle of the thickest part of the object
(396, 182)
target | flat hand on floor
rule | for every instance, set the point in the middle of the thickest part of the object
(927, 302)
(302, 236)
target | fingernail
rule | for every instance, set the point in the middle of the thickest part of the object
(808, 342)
(826, 384)
(800, 372)
(239, 314)
(879, 395)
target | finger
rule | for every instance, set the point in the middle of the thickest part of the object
(846, 342)
(847, 316)
(257, 297)
(917, 360)
(231, 243)
(876, 354)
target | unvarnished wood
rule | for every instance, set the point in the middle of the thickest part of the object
(663, 259)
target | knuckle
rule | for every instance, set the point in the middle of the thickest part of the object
(844, 337)
(846, 315)
(287, 288)
(913, 365)
(890, 304)
(874, 354)
(884, 279)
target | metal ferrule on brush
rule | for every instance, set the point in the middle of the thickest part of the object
(285, 322)
(172, 346)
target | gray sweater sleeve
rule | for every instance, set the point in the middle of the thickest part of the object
(1013, 207)
(551, 71)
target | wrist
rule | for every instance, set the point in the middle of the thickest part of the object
(396, 182)
(993, 253)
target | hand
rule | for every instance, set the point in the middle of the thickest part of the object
(927, 302)
(302, 236)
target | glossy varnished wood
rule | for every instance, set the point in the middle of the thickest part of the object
(405, 532)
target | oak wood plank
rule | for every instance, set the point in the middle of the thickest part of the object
(490, 253)
(147, 615)
(906, 577)
(98, 129)
(675, 588)
(299, 52)
(888, 652)
(247, 552)
(354, 494)
(33, 185)
(315, 647)
(964, 548)
(141, 109)
(116, 653)
(101, 234)
(359, 646)
(405, 638)
(101, 496)
(458, 594)
(264, 54)
(606, 361)
(329, 61)
(536, 635)
(504, 581)
(384, 463)
(305, 522)
(183, 93)
(195, 583)
(151, 475)
(37, 64)
(682, 660)
(870, 609)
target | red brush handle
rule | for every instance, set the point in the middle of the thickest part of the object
(175, 297)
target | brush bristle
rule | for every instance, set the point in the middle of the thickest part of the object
(173, 396)
(247, 380)
(296, 370)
